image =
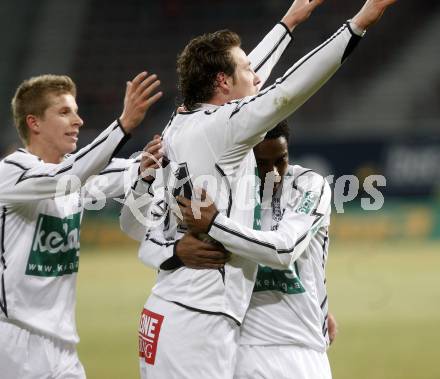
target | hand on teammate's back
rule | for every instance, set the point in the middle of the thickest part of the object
(151, 159)
(200, 255)
(140, 95)
(198, 213)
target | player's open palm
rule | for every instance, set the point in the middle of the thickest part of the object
(140, 94)
(371, 12)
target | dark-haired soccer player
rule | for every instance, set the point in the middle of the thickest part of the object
(286, 331)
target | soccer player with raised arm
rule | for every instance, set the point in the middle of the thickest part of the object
(40, 219)
(211, 143)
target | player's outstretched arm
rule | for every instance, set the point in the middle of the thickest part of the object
(139, 197)
(120, 174)
(300, 82)
(267, 53)
(125, 177)
(278, 249)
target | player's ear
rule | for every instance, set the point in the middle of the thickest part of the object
(223, 84)
(32, 123)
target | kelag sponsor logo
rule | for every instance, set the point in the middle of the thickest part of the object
(284, 281)
(55, 246)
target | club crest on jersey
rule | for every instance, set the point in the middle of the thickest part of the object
(55, 246)
(277, 214)
(149, 330)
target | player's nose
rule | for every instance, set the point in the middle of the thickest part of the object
(276, 173)
(78, 121)
(257, 79)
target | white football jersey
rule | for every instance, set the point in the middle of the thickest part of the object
(290, 307)
(211, 147)
(40, 230)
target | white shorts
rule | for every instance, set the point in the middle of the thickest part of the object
(281, 362)
(178, 343)
(27, 355)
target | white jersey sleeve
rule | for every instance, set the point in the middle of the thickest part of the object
(136, 216)
(303, 215)
(27, 179)
(157, 251)
(112, 182)
(253, 116)
(268, 52)
(134, 210)
(160, 231)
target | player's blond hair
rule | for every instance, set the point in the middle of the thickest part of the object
(32, 98)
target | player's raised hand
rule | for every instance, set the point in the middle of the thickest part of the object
(140, 95)
(300, 11)
(371, 12)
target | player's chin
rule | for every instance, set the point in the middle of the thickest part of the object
(70, 148)
(253, 91)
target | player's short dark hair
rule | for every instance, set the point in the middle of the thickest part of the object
(280, 130)
(199, 63)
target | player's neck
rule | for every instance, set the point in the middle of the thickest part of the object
(45, 153)
(216, 102)
(219, 99)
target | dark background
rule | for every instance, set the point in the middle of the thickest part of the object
(380, 114)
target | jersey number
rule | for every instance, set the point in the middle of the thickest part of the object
(183, 185)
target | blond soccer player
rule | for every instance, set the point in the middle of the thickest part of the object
(40, 225)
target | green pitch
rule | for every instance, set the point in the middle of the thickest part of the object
(386, 298)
